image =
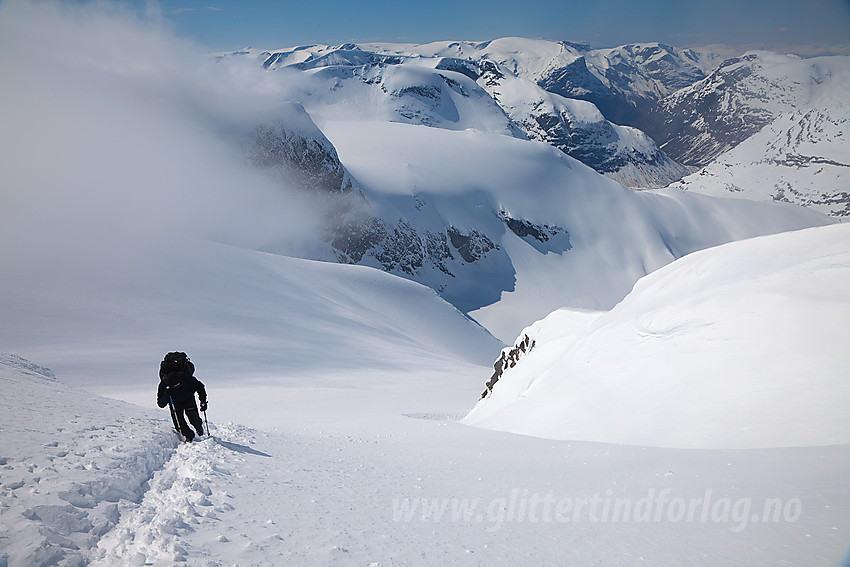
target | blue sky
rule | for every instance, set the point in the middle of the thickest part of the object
(231, 24)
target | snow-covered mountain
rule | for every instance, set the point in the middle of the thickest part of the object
(346, 82)
(578, 129)
(739, 346)
(802, 157)
(624, 82)
(420, 85)
(745, 94)
(162, 202)
(522, 228)
(502, 226)
(481, 214)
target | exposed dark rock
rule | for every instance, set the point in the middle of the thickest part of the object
(472, 246)
(462, 66)
(304, 159)
(524, 228)
(508, 359)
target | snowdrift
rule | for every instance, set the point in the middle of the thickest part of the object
(740, 346)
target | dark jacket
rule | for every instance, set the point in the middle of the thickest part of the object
(179, 387)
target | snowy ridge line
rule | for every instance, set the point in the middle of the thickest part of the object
(24, 365)
(682, 361)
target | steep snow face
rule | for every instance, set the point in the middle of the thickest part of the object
(524, 228)
(802, 157)
(740, 346)
(742, 96)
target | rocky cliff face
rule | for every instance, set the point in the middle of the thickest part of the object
(406, 237)
(579, 129)
(742, 96)
(304, 159)
(802, 157)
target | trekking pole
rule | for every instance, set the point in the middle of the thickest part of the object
(173, 415)
(207, 424)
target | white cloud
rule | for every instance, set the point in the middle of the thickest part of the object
(116, 134)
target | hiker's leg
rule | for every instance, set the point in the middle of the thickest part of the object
(195, 419)
(184, 427)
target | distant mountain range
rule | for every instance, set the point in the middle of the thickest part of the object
(452, 164)
(644, 114)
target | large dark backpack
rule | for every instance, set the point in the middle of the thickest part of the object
(176, 362)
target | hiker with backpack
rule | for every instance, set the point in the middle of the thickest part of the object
(177, 388)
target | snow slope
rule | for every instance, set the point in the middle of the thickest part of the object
(608, 237)
(802, 157)
(130, 227)
(100, 482)
(70, 465)
(739, 346)
(240, 311)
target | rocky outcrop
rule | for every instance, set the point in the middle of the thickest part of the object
(296, 152)
(509, 358)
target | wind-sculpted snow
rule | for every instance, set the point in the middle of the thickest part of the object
(740, 346)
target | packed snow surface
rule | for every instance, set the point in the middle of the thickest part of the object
(86, 480)
(739, 346)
